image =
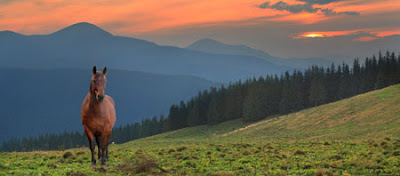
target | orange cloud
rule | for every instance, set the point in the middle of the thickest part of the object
(42, 16)
(383, 32)
(376, 33)
(365, 39)
(303, 18)
(365, 7)
(133, 17)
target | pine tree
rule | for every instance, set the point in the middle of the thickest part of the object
(213, 115)
(194, 115)
(318, 93)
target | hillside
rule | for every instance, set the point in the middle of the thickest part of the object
(370, 115)
(366, 116)
(354, 136)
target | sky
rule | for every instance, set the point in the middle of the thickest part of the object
(331, 29)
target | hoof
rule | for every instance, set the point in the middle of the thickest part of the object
(93, 166)
(103, 167)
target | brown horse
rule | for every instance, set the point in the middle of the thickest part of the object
(98, 116)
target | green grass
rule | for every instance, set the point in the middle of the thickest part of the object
(356, 136)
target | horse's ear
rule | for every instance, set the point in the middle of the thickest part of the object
(94, 69)
(104, 70)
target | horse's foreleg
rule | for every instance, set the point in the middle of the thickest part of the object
(91, 146)
(98, 141)
(107, 152)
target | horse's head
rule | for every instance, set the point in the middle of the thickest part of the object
(98, 84)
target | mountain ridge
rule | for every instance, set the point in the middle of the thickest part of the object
(82, 45)
(84, 28)
(213, 46)
(222, 48)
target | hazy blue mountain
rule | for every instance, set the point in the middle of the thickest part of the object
(216, 47)
(36, 101)
(82, 45)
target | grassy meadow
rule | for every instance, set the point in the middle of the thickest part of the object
(355, 136)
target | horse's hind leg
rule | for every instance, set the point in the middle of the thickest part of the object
(103, 152)
(107, 142)
(98, 141)
(89, 134)
(104, 141)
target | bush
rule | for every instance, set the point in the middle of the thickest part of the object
(67, 155)
(181, 148)
(299, 152)
(143, 164)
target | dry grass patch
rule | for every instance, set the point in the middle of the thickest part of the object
(143, 164)
(323, 172)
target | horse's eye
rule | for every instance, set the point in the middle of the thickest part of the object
(94, 81)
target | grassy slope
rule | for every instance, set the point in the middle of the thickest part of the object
(341, 137)
(365, 116)
(369, 115)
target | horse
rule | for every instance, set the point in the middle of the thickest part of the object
(98, 116)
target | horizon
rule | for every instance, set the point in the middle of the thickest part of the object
(289, 28)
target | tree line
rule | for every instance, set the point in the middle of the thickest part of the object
(252, 100)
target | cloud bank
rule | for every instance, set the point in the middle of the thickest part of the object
(308, 7)
(320, 2)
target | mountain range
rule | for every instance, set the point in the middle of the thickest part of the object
(83, 44)
(45, 77)
(212, 46)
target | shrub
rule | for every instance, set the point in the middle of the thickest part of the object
(80, 153)
(171, 150)
(76, 173)
(67, 155)
(387, 138)
(181, 148)
(143, 164)
(299, 152)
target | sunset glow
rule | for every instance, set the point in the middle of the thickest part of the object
(32, 17)
(314, 35)
(181, 22)
(374, 34)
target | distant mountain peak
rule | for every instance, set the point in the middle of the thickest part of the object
(205, 41)
(82, 29)
(213, 46)
(9, 33)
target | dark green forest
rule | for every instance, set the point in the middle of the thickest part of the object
(252, 100)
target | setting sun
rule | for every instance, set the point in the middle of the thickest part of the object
(314, 35)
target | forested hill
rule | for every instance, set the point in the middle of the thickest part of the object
(251, 100)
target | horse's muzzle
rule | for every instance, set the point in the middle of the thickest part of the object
(100, 98)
